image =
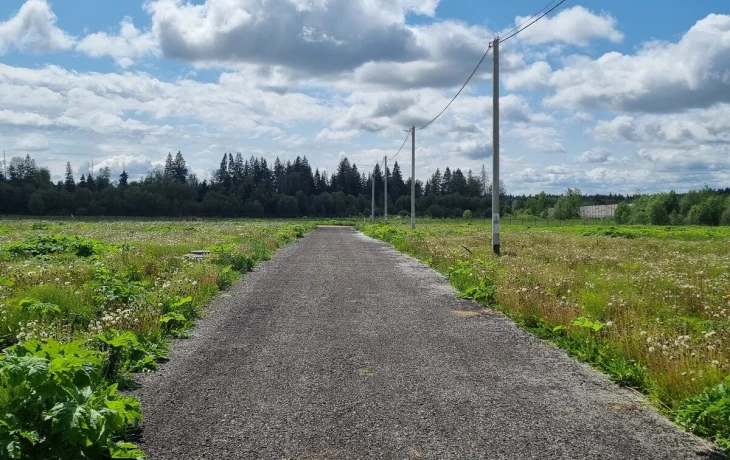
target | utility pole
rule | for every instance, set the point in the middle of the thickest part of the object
(5, 167)
(386, 189)
(372, 202)
(413, 178)
(495, 148)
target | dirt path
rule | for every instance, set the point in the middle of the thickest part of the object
(342, 348)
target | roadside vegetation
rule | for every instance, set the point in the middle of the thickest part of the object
(649, 306)
(84, 306)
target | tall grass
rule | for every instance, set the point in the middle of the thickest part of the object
(659, 297)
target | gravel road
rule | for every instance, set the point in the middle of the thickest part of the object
(342, 348)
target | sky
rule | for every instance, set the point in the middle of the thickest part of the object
(607, 96)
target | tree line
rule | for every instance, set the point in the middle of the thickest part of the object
(252, 188)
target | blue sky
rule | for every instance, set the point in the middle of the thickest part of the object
(606, 96)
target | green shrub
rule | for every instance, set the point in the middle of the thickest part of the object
(58, 406)
(226, 255)
(467, 215)
(708, 414)
(56, 244)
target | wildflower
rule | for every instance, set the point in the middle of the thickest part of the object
(651, 349)
(642, 333)
(710, 334)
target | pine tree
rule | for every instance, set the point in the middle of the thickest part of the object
(221, 176)
(123, 178)
(82, 181)
(69, 183)
(169, 170)
(484, 181)
(446, 185)
(90, 182)
(436, 182)
(179, 169)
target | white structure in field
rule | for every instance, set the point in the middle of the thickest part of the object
(603, 211)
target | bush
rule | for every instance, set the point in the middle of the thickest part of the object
(435, 211)
(59, 406)
(657, 212)
(56, 244)
(467, 215)
(288, 206)
(568, 205)
(623, 213)
(709, 414)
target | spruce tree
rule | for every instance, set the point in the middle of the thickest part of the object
(179, 169)
(169, 170)
(123, 178)
(69, 183)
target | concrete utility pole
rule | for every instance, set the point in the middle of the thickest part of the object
(413, 178)
(495, 149)
(372, 202)
(386, 189)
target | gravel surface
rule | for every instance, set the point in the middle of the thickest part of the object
(342, 348)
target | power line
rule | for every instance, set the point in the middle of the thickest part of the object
(530, 18)
(460, 90)
(531, 23)
(402, 145)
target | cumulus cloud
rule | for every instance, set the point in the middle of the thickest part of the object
(312, 36)
(694, 127)
(129, 45)
(328, 135)
(574, 26)
(135, 165)
(660, 77)
(539, 138)
(595, 155)
(33, 29)
(474, 149)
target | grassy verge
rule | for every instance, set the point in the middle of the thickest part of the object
(648, 306)
(83, 306)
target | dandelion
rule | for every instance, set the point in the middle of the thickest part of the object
(651, 349)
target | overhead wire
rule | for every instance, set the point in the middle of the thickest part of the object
(402, 145)
(530, 18)
(460, 89)
(518, 29)
(521, 29)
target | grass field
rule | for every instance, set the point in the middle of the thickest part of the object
(649, 306)
(85, 305)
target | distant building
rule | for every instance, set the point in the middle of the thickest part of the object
(604, 211)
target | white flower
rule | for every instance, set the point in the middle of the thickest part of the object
(651, 349)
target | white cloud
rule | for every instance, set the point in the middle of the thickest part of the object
(311, 36)
(660, 77)
(328, 135)
(124, 48)
(575, 26)
(535, 76)
(595, 155)
(33, 29)
(539, 138)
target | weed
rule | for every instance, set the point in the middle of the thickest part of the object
(59, 406)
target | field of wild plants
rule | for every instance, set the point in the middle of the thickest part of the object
(649, 306)
(83, 306)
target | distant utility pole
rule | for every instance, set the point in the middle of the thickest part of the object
(5, 167)
(372, 202)
(386, 189)
(413, 178)
(495, 148)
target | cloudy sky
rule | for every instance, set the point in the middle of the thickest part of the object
(613, 95)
